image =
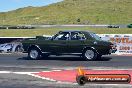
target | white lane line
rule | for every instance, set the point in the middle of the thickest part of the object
(46, 71)
(66, 82)
(8, 72)
(4, 72)
(24, 72)
(56, 70)
(1, 72)
(49, 79)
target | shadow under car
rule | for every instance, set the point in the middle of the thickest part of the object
(67, 58)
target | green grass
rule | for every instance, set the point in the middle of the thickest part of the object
(72, 12)
(52, 31)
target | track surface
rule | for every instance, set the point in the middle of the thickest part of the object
(17, 60)
(20, 63)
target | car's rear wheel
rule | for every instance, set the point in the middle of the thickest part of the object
(34, 53)
(90, 54)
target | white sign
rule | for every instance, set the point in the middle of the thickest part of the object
(123, 42)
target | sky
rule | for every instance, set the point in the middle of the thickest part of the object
(8, 5)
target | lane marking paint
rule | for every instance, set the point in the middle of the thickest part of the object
(24, 72)
(4, 72)
(37, 76)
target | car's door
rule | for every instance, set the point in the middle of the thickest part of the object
(59, 43)
(76, 42)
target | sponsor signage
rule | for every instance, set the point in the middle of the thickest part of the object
(123, 42)
(108, 78)
(82, 78)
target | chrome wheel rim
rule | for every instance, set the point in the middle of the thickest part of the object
(34, 54)
(89, 54)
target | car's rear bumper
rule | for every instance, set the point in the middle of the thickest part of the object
(112, 51)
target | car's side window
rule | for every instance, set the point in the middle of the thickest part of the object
(77, 36)
(62, 36)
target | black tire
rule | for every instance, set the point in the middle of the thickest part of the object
(81, 80)
(99, 57)
(45, 55)
(90, 55)
(34, 53)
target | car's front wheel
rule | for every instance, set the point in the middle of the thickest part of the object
(34, 54)
(90, 54)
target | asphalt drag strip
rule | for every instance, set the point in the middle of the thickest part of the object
(17, 71)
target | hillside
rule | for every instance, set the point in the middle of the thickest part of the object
(72, 12)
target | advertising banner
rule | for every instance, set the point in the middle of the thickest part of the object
(123, 42)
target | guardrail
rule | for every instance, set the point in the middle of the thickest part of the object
(12, 39)
(70, 25)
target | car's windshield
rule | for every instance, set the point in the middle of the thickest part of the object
(95, 36)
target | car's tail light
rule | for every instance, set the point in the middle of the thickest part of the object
(113, 46)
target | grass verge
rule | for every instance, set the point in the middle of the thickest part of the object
(52, 31)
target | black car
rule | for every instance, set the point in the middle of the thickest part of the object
(84, 43)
